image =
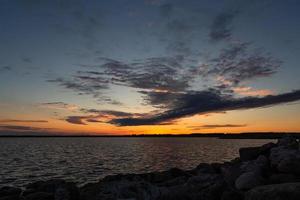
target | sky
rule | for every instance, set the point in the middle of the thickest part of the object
(149, 66)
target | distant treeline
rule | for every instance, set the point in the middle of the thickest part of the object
(248, 135)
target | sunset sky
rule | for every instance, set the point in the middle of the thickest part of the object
(149, 66)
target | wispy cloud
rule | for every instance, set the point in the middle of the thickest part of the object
(5, 68)
(214, 126)
(221, 28)
(22, 121)
(21, 128)
(59, 105)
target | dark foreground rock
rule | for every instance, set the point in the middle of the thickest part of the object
(287, 191)
(271, 171)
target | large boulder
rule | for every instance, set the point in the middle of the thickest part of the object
(251, 153)
(290, 165)
(283, 178)
(161, 177)
(210, 168)
(9, 191)
(123, 188)
(232, 194)
(285, 191)
(40, 196)
(231, 172)
(289, 142)
(259, 165)
(59, 189)
(249, 180)
(285, 159)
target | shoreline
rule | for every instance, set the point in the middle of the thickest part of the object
(271, 171)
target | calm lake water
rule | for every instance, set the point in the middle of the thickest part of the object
(23, 160)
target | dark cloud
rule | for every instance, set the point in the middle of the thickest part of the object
(221, 27)
(213, 126)
(27, 60)
(108, 112)
(21, 121)
(77, 119)
(5, 68)
(21, 128)
(94, 121)
(100, 116)
(209, 101)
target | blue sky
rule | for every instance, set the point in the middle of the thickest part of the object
(148, 58)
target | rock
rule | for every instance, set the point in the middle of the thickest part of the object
(176, 181)
(231, 172)
(213, 192)
(120, 189)
(279, 153)
(60, 189)
(159, 177)
(249, 180)
(259, 165)
(285, 191)
(40, 196)
(203, 180)
(285, 160)
(211, 168)
(282, 178)
(175, 192)
(289, 142)
(290, 165)
(232, 195)
(10, 197)
(9, 191)
(251, 153)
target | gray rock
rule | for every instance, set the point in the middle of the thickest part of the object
(232, 195)
(285, 160)
(120, 189)
(211, 168)
(60, 189)
(10, 197)
(259, 165)
(231, 173)
(203, 180)
(251, 153)
(282, 178)
(289, 142)
(285, 191)
(176, 181)
(9, 191)
(290, 165)
(249, 180)
(40, 196)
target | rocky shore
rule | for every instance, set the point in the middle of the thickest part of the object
(269, 172)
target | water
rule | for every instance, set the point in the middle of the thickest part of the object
(82, 160)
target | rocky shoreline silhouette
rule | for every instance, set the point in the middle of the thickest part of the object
(268, 172)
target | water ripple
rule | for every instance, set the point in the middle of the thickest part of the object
(23, 160)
